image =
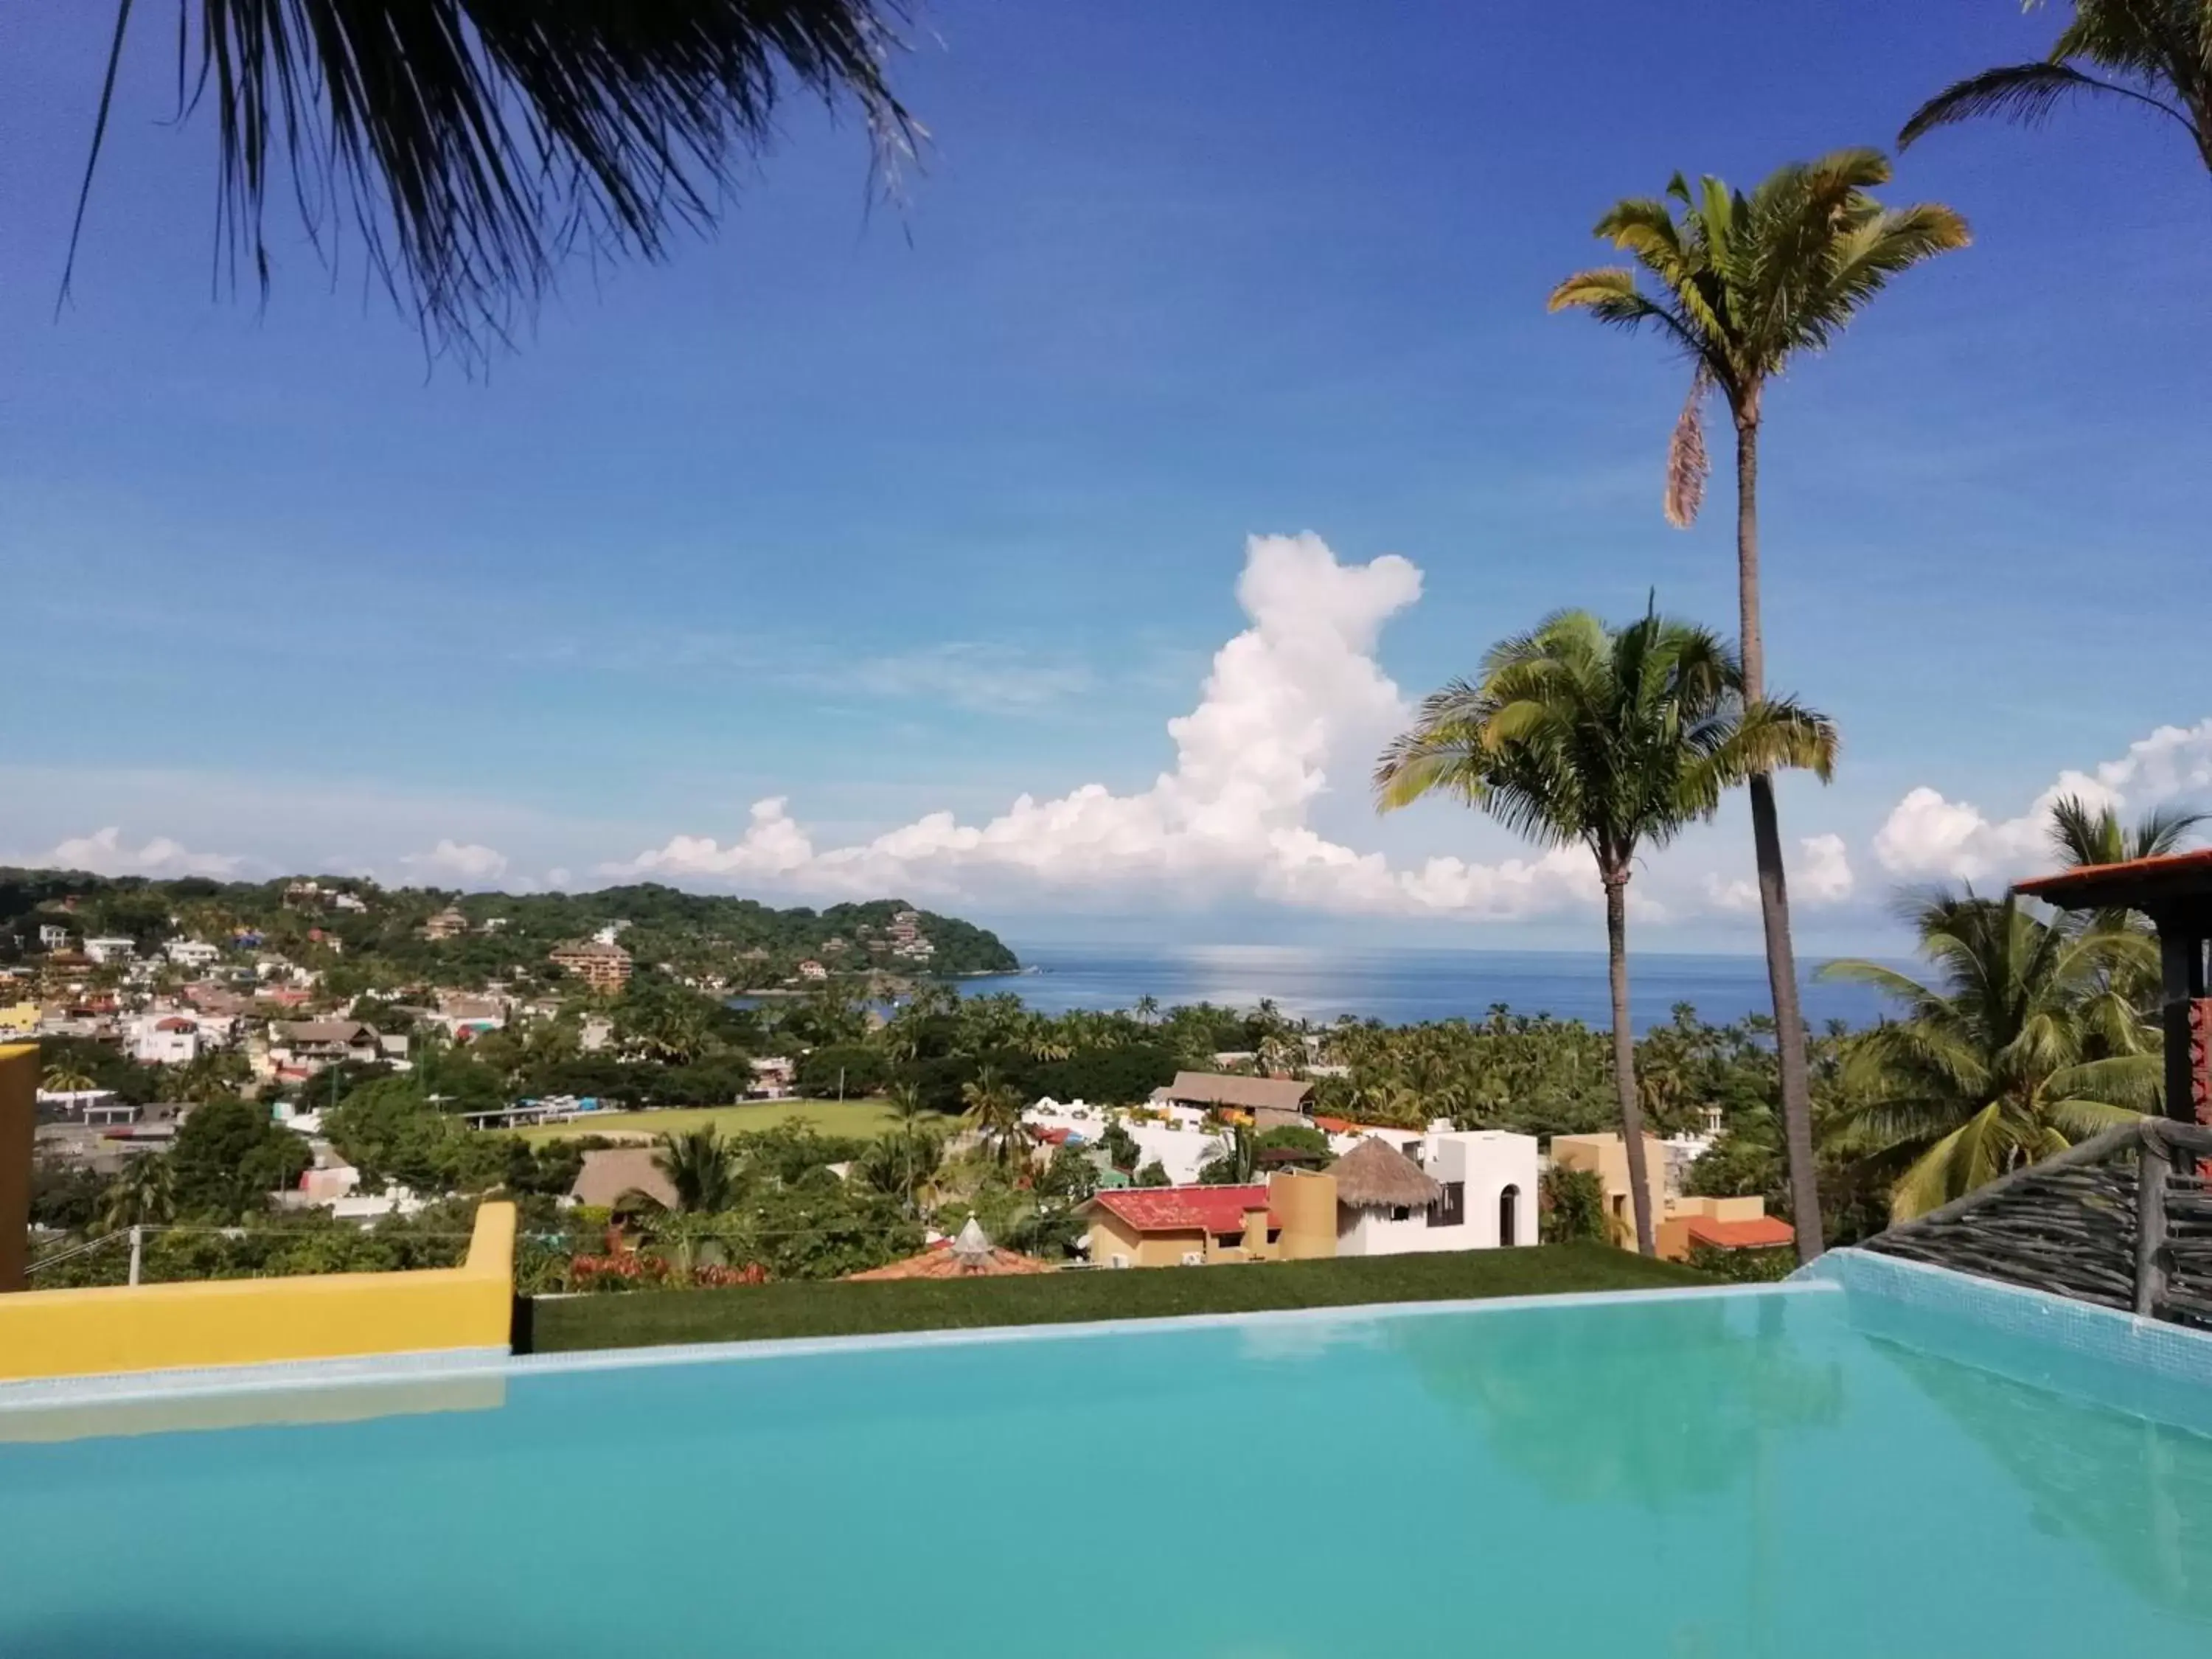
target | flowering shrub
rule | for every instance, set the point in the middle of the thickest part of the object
(629, 1270)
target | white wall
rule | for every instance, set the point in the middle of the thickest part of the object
(1487, 1162)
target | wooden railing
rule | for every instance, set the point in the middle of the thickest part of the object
(2124, 1219)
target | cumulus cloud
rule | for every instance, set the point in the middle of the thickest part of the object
(1823, 875)
(467, 862)
(1296, 698)
(103, 854)
(1929, 835)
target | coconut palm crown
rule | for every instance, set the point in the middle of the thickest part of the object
(1744, 283)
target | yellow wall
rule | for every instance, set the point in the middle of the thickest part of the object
(1306, 1205)
(20, 1020)
(1674, 1231)
(248, 1322)
(19, 1099)
(1607, 1156)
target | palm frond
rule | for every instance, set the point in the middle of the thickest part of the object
(2023, 93)
(474, 146)
(1688, 466)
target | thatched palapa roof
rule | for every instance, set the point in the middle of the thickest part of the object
(1376, 1176)
(608, 1175)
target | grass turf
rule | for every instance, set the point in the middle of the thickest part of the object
(834, 1308)
(868, 1116)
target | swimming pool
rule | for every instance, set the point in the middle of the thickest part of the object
(1799, 1471)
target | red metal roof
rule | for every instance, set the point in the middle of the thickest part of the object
(2093, 885)
(1759, 1233)
(1180, 1209)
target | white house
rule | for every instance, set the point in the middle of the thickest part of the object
(164, 1039)
(1400, 1192)
(105, 951)
(192, 952)
(1181, 1146)
(52, 936)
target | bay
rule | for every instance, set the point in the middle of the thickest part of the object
(1407, 986)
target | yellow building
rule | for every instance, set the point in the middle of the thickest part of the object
(1722, 1224)
(19, 1020)
(1607, 1157)
(1191, 1226)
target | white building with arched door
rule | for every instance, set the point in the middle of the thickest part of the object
(1485, 1194)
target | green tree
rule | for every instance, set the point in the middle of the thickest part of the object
(228, 1158)
(1743, 285)
(994, 1112)
(2082, 835)
(2021, 1045)
(1579, 735)
(2154, 54)
(64, 1078)
(1574, 1206)
(1235, 1162)
(700, 1168)
(1154, 1174)
(142, 1194)
(474, 147)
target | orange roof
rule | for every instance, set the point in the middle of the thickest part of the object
(1760, 1232)
(2132, 885)
(939, 1261)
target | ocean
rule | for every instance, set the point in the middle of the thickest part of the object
(1404, 986)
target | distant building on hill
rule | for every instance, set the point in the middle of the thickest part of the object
(602, 966)
(447, 924)
(812, 969)
(1271, 1100)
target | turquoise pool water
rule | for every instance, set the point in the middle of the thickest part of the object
(1683, 1478)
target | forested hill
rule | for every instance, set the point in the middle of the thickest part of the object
(378, 929)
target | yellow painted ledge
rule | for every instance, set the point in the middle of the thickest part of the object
(252, 1322)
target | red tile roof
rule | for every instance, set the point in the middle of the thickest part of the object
(1180, 1209)
(1761, 1232)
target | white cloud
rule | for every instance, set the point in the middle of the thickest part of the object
(1294, 699)
(103, 854)
(1929, 835)
(468, 862)
(988, 678)
(1823, 875)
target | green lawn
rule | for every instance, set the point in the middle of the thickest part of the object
(869, 1115)
(833, 1308)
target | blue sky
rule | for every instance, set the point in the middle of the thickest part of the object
(892, 512)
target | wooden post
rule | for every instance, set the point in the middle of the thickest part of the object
(2154, 1160)
(2181, 965)
(19, 1100)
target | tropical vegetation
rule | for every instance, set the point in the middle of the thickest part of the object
(1611, 740)
(2152, 55)
(1743, 285)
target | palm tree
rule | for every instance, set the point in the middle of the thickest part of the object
(472, 146)
(994, 1112)
(1744, 284)
(143, 1193)
(700, 1168)
(2154, 53)
(2021, 1046)
(1577, 734)
(2081, 837)
(65, 1078)
(1148, 1008)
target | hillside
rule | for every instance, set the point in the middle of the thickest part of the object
(373, 934)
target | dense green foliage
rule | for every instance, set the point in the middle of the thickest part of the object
(786, 1310)
(1574, 1206)
(740, 941)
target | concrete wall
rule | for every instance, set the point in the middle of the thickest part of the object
(19, 1099)
(250, 1322)
(1305, 1205)
(1110, 1237)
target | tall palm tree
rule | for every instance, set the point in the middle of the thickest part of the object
(1743, 284)
(1616, 741)
(2021, 1045)
(994, 1112)
(2156, 54)
(473, 145)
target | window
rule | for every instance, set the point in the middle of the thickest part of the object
(1450, 1208)
(1509, 1216)
(1401, 1212)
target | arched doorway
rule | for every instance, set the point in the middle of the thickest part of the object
(1509, 1216)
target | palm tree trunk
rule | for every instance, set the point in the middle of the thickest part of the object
(1624, 1056)
(1773, 886)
